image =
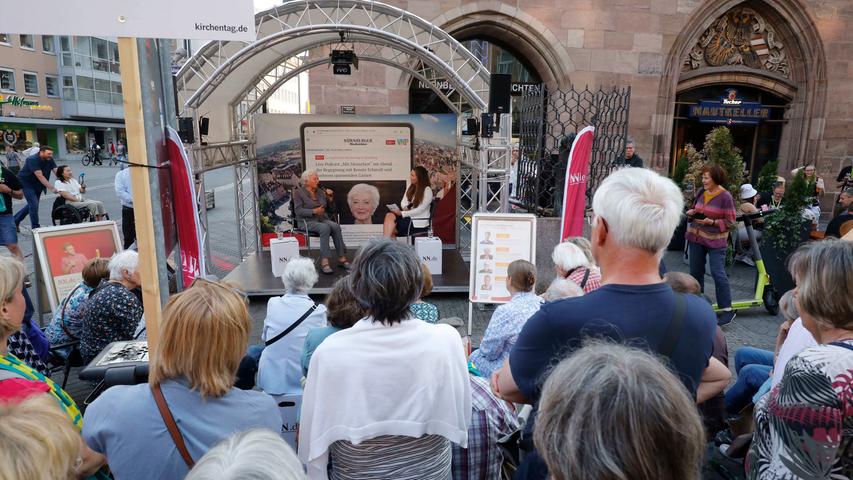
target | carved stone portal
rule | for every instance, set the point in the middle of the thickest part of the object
(739, 37)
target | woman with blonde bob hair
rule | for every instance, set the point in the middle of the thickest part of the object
(609, 411)
(203, 336)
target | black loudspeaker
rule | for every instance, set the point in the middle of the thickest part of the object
(203, 126)
(185, 130)
(499, 92)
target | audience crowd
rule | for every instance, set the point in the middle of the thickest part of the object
(615, 372)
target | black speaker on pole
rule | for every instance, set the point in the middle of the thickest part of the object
(185, 129)
(499, 92)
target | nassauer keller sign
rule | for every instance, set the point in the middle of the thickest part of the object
(730, 110)
(192, 19)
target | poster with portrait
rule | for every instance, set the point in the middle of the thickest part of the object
(498, 239)
(63, 252)
(365, 160)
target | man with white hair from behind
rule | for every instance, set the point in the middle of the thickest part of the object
(256, 454)
(635, 213)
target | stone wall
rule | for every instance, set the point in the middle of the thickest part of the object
(640, 43)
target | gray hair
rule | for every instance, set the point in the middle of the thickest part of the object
(124, 261)
(386, 279)
(305, 175)
(630, 141)
(561, 288)
(584, 245)
(641, 208)
(364, 189)
(788, 306)
(585, 430)
(568, 256)
(299, 275)
(257, 454)
(848, 191)
(824, 274)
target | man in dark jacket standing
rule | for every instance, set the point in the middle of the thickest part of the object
(631, 158)
(34, 177)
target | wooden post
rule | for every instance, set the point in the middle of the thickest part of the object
(141, 186)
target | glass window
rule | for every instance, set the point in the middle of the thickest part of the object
(65, 44)
(114, 51)
(75, 141)
(67, 60)
(85, 95)
(101, 65)
(51, 86)
(7, 80)
(99, 48)
(5, 38)
(83, 61)
(102, 85)
(48, 44)
(117, 99)
(102, 97)
(68, 81)
(68, 93)
(81, 45)
(85, 82)
(116, 87)
(31, 83)
(27, 41)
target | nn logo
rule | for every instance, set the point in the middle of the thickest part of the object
(429, 258)
(577, 178)
(283, 259)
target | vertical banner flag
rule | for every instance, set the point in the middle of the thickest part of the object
(574, 191)
(186, 210)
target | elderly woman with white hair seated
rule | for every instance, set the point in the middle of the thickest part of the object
(573, 263)
(289, 318)
(363, 199)
(257, 454)
(312, 205)
(112, 312)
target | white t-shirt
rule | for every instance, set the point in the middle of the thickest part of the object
(71, 186)
(798, 339)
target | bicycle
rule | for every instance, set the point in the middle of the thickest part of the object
(93, 157)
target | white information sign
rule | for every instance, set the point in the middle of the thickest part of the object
(192, 19)
(498, 239)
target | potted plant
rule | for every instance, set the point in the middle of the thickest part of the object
(687, 176)
(784, 230)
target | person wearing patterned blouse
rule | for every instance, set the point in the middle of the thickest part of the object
(112, 311)
(508, 318)
(67, 323)
(421, 309)
(804, 426)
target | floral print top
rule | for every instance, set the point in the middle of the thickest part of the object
(425, 311)
(804, 427)
(503, 330)
(72, 306)
(112, 314)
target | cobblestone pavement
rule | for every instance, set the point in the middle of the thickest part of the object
(754, 327)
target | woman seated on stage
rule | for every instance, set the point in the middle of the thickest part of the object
(414, 206)
(312, 205)
(72, 192)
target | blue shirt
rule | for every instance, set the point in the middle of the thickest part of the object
(33, 164)
(502, 332)
(313, 339)
(636, 315)
(122, 187)
(124, 425)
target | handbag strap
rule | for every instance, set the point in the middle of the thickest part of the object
(62, 323)
(174, 432)
(675, 326)
(585, 278)
(842, 345)
(290, 328)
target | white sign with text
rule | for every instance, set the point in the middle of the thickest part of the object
(191, 19)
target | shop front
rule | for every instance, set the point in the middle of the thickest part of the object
(22, 136)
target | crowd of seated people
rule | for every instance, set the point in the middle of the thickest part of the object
(388, 394)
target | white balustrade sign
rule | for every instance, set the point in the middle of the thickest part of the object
(190, 19)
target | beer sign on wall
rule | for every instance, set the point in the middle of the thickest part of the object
(730, 110)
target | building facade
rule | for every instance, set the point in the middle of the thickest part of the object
(779, 73)
(60, 91)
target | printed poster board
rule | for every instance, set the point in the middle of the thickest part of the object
(498, 239)
(63, 251)
(364, 159)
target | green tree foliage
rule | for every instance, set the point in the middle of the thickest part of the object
(767, 176)
(719, 148)
(680, 170)
(784, 227)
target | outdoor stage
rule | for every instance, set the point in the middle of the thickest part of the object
(254, 276)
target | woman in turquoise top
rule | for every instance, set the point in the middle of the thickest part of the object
(421, 309)
(343, 311)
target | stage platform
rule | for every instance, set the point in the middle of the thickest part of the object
(254, 276)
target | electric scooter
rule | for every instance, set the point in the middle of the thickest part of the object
(764, 292)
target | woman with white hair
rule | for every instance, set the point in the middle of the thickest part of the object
(312, 206)
(112, 312)
(289, 317)
(257, 454)
(363, 200)
(573, 263)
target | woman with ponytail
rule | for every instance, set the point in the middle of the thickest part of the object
(508, 318)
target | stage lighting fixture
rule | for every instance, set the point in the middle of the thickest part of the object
(343, 57)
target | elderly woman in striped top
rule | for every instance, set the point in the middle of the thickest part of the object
(712, 215)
